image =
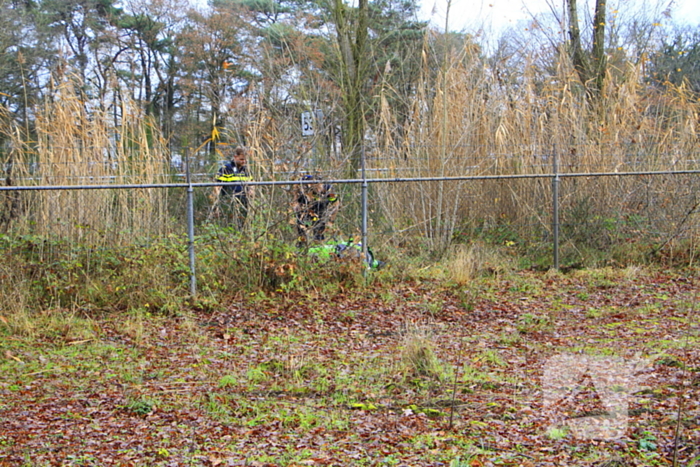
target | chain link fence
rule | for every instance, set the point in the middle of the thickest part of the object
(562, 209)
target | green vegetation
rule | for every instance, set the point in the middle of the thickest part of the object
(435, 359)
(359, 371)
(82, 129)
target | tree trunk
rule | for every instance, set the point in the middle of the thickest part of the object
(353, 71)
(591, 68)
(577, 54)
(598, 52)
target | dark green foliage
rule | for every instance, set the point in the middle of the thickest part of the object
(57, 273)
(397, 40)
(279, 34)
(48, 272)
(270, 9)
(80, 22)
(678, 60)
(25, 52)
(141, 406)
(147, 29)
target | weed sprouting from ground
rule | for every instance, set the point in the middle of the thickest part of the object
(557, 433)
(53, 324)
(468, 262)
(418, 357)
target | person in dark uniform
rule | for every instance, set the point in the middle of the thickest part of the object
(234, 195)
(315, 206)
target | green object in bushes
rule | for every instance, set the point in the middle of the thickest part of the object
(343, 249)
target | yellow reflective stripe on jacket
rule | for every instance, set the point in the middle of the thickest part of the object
(233, 178)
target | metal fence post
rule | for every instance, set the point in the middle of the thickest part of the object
(365, 249)
(190, 226)
(555, 208)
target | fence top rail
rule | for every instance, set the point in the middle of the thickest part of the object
(347, 181)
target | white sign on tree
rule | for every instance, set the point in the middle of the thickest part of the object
(307, 124)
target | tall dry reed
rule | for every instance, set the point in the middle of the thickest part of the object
(465, 123)
(79, 145)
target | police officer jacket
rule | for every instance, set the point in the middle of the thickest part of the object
(235, 177)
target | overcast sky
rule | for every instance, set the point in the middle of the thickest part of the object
(472, 14)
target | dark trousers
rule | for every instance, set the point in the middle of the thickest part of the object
(310, 227)
(234, 207)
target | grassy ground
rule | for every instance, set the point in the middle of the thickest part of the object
(421, 372)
